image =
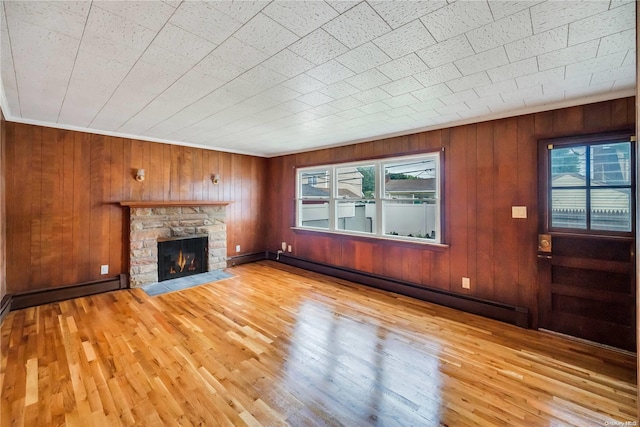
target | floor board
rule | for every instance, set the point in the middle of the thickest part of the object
(275, 345)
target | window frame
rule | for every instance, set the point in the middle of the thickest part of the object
(378, 199)
(545, 175)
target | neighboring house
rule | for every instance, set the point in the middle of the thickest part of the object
(410, 188)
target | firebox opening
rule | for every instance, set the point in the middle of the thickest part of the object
(179, 257)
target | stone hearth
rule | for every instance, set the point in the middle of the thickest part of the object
(147, 224)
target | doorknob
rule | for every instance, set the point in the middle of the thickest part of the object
(544, 243)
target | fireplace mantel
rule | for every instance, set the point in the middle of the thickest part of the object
(171, 203)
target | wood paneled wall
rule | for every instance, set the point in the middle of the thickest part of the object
(488, 168)
(3, 216)
(63, 189)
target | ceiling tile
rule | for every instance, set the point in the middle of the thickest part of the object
(468, 82)
(501, 8)
(562, 85)
(401, 101)
(496, 88)
(368, 79)
(346, 103)
(239, 53)
(374, 107)
(265, 34)
(438, 75)
(552, 14)
(318, 47)
(613, 74)
(152, 15)
(372, 95)
(594, 65)
(405, 40)
(110, 36)
(183, 43)
(459, 97)
(457, 18)
(538, 44)
(428, 104)
(90, 96)
(522, 94)
(568, 55)
(624, 84)
(330, 72)
(403, 67)
(351, 114)
(339, 90)
(445, 52)
(203, 20)
(363, 58)
(540, 78)
(7, 71)
(405, 110)
(294, 106)
(342, 6)
(482, 61)
(241, 11)
(67, 18)
(212, 103)
(213, 65)
(515, 69)
(356, 26)
(630, 59)
(506, 30)
(303, 84)
(398, 87)
(588, 91)
(300, 17)
(34, 49)
(288, 63)
(263, 77)
(617, 42)
(315, 98)
(435, 91)
(604, 24)
(397, 14)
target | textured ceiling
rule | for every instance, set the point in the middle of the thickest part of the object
(274, 77)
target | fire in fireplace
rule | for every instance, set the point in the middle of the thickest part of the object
(179, 257)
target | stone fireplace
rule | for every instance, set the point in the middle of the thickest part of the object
(167, 220)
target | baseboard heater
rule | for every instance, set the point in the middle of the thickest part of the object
(45, 296)
(246, 258)
(514, 315)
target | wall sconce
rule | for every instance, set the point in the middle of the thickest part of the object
(215, 178)
(140, 175)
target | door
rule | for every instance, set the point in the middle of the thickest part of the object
(586, 259)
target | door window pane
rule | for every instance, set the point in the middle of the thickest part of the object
(611, 209)
(569, 208)
(568, 166)
(610, 164)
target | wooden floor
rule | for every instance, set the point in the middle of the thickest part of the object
(279, 346)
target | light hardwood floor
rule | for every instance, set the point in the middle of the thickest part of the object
(280, 346)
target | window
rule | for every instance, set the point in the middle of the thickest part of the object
(591, 186)
(395, 198)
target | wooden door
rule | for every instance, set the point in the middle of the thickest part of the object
(586, 259)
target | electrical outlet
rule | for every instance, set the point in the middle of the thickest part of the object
(237, 248)
(289, 248)
(104, 269)
(466, 283)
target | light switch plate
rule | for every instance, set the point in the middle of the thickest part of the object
(518, 211)
(104, 269)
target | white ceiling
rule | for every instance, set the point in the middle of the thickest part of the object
(274, 77)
